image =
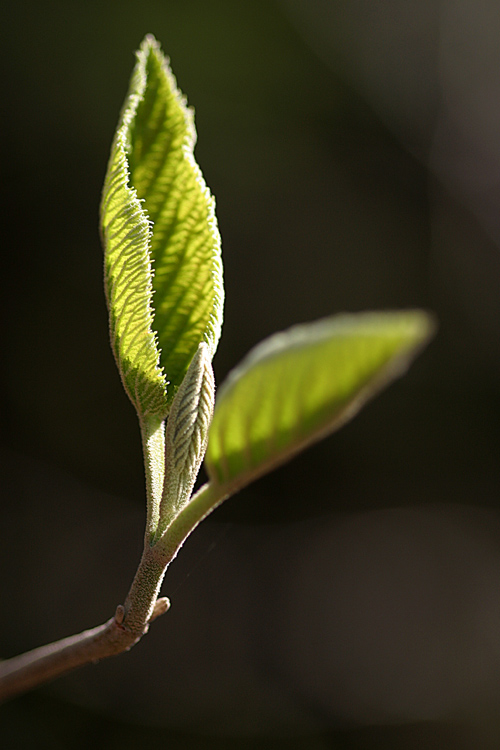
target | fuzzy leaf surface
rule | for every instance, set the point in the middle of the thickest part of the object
(163, 269)
(299, 385)
(187, 435)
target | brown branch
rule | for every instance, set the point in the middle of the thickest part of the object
(120, 633)
(131, 620)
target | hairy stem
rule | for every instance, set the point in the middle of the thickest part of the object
(208, 497)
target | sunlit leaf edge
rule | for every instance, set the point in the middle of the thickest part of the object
(123, 216)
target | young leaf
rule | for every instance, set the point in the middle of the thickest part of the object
(186, 435)
(302, 384)
(163, 267)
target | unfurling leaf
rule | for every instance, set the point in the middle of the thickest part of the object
(302, 384)
(187, 434)
(163, 270)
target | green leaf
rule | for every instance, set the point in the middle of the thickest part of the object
(299, 385)
(186, 435)
(163, 270)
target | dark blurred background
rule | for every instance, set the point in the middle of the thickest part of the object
(351, 599)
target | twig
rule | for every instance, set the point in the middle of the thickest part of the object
(120, 633)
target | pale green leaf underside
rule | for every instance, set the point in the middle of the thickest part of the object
(186, 435)
(162, 247)
(300, 385)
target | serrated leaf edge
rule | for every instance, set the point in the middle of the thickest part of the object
(119, 178)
